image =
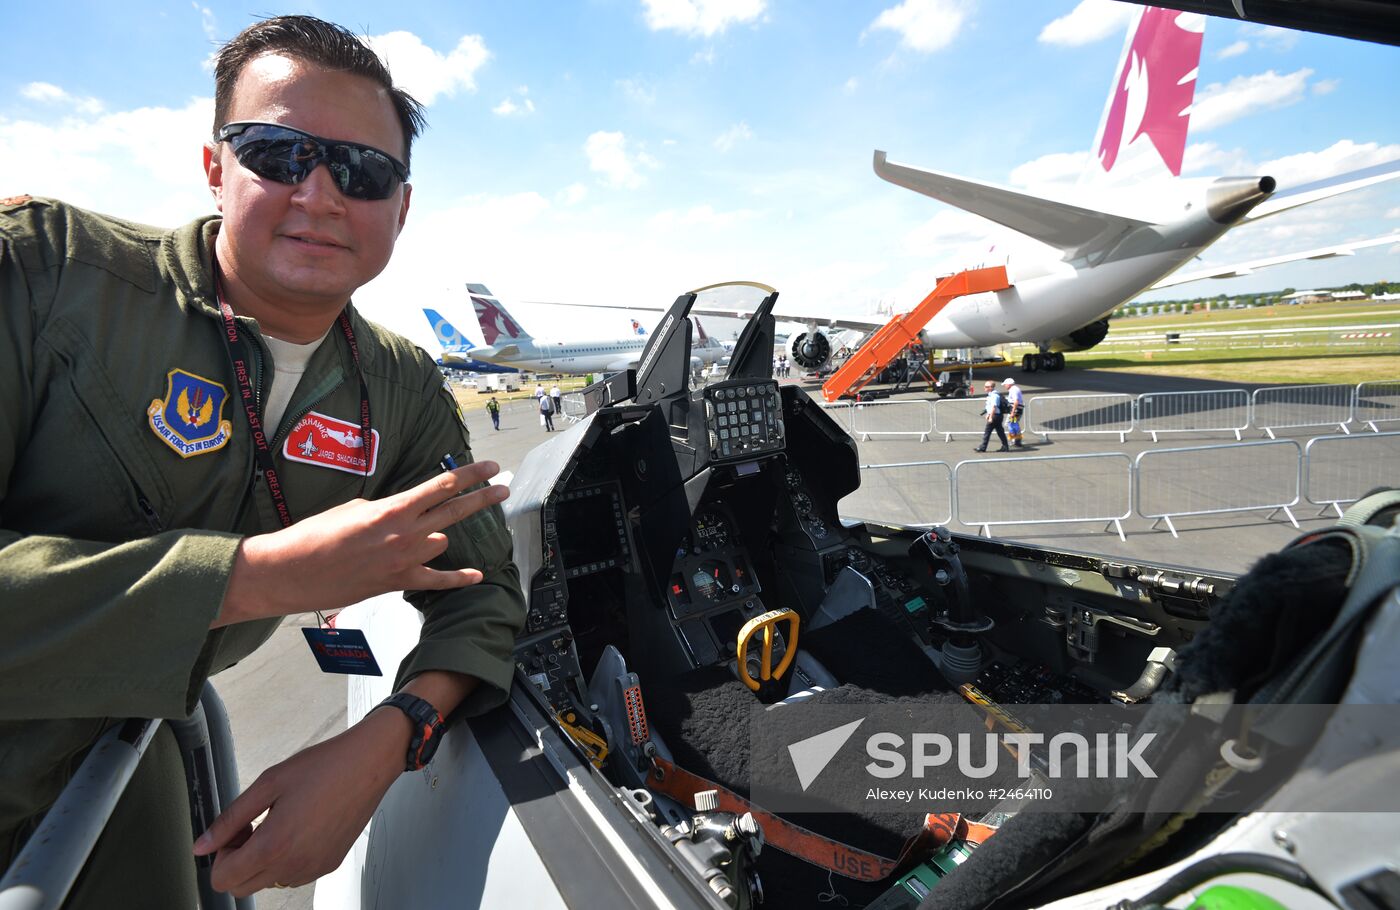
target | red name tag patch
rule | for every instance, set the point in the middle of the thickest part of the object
(329, 443)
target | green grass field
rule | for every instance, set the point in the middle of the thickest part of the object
(1253, 360)
(471, 400)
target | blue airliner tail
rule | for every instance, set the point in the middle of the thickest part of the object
(448, 335)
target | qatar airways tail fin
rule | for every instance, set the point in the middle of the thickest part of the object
(498, 327)
(702, 338)
(1142, 132)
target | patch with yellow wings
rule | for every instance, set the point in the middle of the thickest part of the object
(190, 419)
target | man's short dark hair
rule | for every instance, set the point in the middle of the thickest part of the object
(314, 41)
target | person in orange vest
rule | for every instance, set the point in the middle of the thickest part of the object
(1017, 402)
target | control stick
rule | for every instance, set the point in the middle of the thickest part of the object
(956, 615)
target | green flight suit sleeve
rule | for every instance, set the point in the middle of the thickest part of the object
(87, 629)
(468, 630)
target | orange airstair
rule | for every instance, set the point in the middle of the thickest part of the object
(861, 368)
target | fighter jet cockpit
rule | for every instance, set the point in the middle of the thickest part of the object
(684, 560)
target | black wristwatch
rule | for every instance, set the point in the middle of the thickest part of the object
(427, 727)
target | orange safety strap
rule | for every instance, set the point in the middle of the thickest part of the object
(820, 851)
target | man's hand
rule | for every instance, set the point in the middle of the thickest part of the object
(317, 803)
(357, 550)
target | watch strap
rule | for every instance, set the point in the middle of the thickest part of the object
(427, 726)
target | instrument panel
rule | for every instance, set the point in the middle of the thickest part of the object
(713, 569)
(743, 420)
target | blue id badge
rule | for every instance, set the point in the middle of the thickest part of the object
(342, 651)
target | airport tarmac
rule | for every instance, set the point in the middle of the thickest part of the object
(279, 702)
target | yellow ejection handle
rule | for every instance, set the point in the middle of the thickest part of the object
(766, 622)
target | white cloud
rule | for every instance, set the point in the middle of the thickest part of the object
(1090, 21)
(699, 216)
(1232, 50)
(1207, 156)
(1271, 37)
(572, 194)
(1393, 213)
(48, 93)
(607, 155)
(851, 85)
(1341, 157)
(424, 72)
(701, 18)
(733, 136)
(1217, 104)
(705, 56)
(141, 164)
(638, 90)
(510, 107)
(206, 21)
(1057, 167)
(924, 25)
(947, 228)
(1326, 86)
(504, 212)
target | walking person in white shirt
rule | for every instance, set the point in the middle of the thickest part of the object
(993, 412)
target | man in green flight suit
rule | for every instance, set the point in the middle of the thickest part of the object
(198, 436)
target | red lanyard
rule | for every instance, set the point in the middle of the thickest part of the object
(238, 356)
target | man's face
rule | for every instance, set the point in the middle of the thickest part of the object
(306, 247)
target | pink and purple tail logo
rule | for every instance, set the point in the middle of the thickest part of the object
(494, 321)
(1154, 90)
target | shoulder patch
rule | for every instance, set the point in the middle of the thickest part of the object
(16, 200)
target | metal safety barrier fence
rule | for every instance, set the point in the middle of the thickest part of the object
(842, 412)
(1042, 489)
(1223, 410)
(1052, 414)
(916, 494)
(1377, 402)
(1292, 406)
(892, 418)
(1342, 469)
(958, 417)
(1211, 480)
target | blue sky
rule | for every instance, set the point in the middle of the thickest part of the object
(625, 150)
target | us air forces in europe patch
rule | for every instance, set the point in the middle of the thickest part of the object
(191, 418)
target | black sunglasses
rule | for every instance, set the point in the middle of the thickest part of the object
(289, 155)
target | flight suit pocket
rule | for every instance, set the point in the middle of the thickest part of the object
(91, 437)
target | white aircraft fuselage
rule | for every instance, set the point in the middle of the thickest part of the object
(545, 356)
(1051, 297)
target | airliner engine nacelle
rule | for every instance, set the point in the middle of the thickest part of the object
(811, 350)
(1083, 338)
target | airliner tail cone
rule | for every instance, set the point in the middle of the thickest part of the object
(1231, 198)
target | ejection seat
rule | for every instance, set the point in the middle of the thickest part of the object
(699, 726)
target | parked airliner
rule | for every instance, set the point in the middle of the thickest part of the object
(509, 344)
